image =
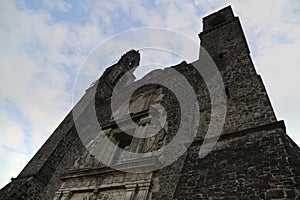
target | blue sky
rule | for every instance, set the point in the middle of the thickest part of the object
(43, 43)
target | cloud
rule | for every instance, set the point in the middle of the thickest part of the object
(11, 162)
(60, 5)
(37, 71)
(12, 135)
(30, 79)
(13, 156)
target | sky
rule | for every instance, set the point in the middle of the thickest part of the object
(43, 44)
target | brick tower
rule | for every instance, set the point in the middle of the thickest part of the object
(254, 158)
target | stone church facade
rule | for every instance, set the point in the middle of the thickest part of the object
(253, 158)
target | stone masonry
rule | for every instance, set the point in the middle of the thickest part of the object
(254, 158)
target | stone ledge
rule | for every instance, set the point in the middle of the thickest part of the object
(140, 164)
(278, 124)
(86, 172)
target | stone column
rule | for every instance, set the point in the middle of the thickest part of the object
(131, 191)
(63, 195)
(141, 141)
(136, 141)
(143, 130)
(144, 191)
(57, 195)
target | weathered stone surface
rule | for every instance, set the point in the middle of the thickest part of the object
(253, 159)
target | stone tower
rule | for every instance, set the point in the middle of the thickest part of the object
(254, 158)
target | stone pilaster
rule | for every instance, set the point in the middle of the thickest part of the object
(131, 191)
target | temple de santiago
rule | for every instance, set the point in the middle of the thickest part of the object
(254, 158)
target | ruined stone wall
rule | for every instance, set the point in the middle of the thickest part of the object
(75, 150)
(253, 165)
(27, 188)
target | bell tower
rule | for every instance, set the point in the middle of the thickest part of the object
(224, 39)
(253, 143)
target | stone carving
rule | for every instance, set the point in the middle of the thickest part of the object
(155, 142)
(79, 196)
(158, 96)
(123, 154)
(157, 131)
(138, 104)
(85, 160)
(105, 196)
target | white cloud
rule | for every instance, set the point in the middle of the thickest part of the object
(30, 80)
(36, 76)
(12, 135)
(11, 163)
(60, 5)
(13, 156)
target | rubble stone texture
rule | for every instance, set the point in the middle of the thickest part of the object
(254, 158)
